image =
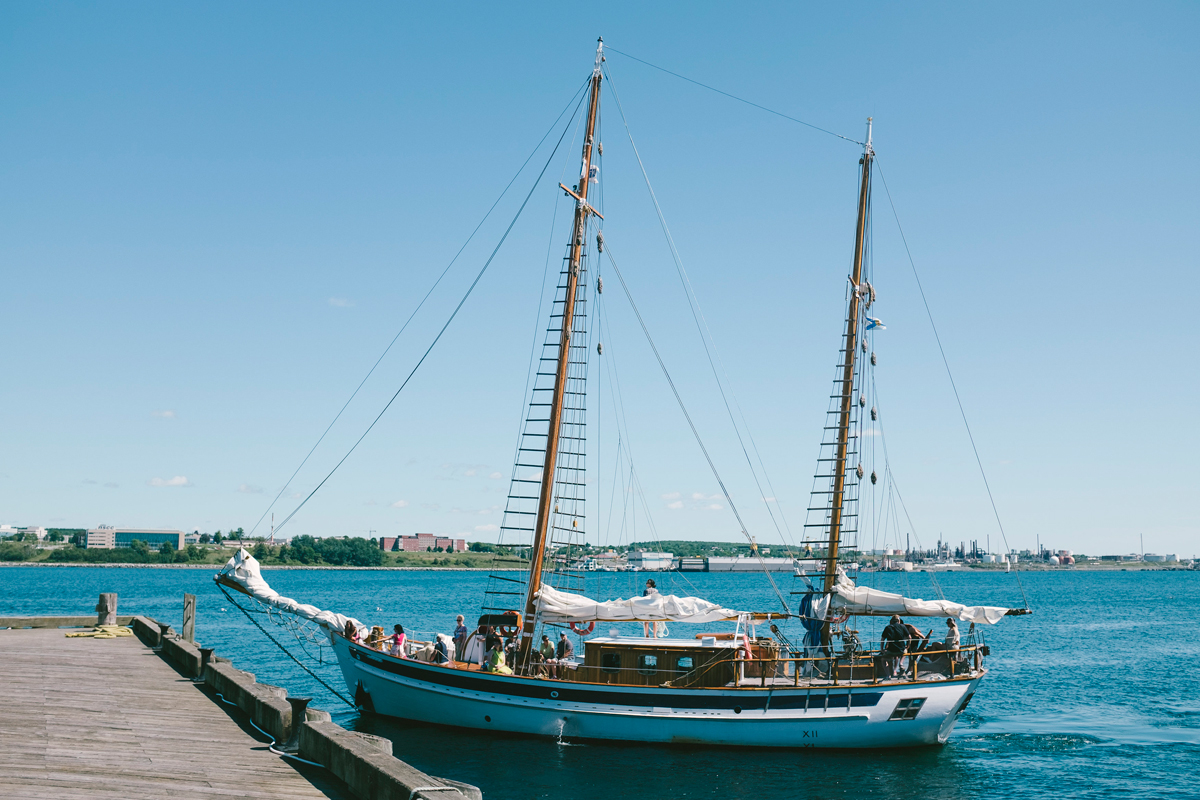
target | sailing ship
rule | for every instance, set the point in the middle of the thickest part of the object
(738, 681)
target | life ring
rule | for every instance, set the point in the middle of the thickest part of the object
(507, 630)
(583, 630)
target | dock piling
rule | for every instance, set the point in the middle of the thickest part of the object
(106, 609)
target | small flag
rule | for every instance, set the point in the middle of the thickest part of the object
(594, 173)
(875, 325)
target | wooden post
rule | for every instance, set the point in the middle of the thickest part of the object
(106, 609)
(189, 618)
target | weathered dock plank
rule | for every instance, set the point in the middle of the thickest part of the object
(86, 718)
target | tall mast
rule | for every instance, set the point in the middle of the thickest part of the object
(545, 508)
(847, 393)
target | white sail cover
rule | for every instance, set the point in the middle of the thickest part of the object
(244, 570)
(554, 605)
(849, 598)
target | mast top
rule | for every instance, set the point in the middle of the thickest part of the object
(867, 148)
(599, 56)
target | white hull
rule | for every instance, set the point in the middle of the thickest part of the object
(826, 716)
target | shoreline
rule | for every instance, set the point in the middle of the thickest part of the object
(218, 567)
(265, 567)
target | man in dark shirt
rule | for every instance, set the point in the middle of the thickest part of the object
(565, 649)
(894, 642)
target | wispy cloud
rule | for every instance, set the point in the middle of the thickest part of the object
(90, 482)
(178, 480)
(247, 488)
(111, 485)
(341, 302)
(677, 504)
(714, 507)
(495, 476)
(400, 504)
(486, 528)
(164, 414)
(430, 506)
(671, 496)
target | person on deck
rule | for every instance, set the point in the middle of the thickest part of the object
(650, 628)
(549, 656)
(494, 661)
(352, 632)
(460, 635)
(398, 641)
(894, 642)
(564, 651)
(952, 641)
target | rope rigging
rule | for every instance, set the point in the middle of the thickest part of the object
(611, 49)
(946, 363)
(687, 416)
(706, 338)
(437, 338)
(286, 652)
(420, 305)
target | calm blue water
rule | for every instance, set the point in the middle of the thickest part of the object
(1095, 695)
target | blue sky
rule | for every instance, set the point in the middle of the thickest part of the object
(213, 220)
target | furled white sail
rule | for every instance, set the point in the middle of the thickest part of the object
(554, 605)
(849, 598)
(243, 569)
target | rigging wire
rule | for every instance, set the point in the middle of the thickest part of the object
(687, 416)
(421, 304)
(286, 652)
(437, 338)
(702, 328)
(610, 49)
(950, 375)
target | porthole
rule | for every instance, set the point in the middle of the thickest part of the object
(647, 664)
(487, 719)
(554, 694)
(737, 709)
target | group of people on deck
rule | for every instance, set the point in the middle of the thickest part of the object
(902, 639)
(547, 659)
(499, 653)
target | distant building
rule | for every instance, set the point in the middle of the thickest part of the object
(12, 530)
(106, 538)
(420, 543)
(1154, 557)
(650, 561)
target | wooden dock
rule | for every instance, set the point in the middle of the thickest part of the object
(107, 718)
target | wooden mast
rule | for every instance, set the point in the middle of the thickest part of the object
(545, 512)
(847, 394)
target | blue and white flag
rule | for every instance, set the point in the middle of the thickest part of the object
(875, 325)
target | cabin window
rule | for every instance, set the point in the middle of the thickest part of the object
(647, 665)
(610, 662)
(907, 708)
(685, 664)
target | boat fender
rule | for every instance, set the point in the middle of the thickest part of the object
(874, 413)
(859, 471)
(862, 401)
(599, 249)
(583, 630)
(874, 479)
(599, 348)
(874, 361)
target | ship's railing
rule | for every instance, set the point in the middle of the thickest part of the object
(837, 667)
